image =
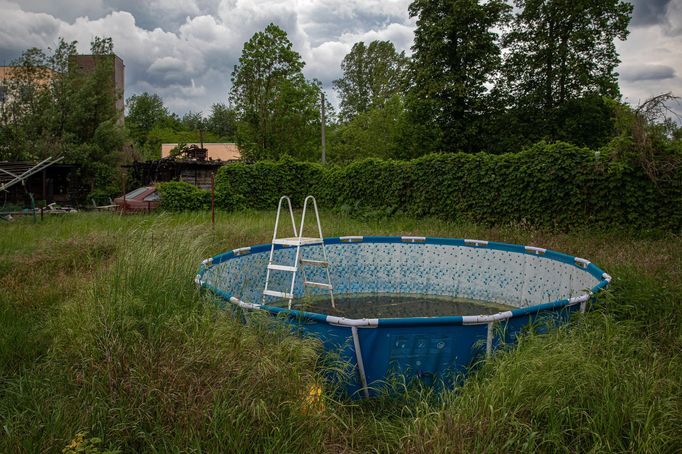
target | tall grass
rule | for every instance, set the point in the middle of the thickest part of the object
(104, 332)
(594, 386)
(137, 357)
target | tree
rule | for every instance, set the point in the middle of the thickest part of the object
(193, 121)
(371, 75)
(145, 111)
(92, 93)
(92, 134)
(560, 50)
(275, 104)
(375, 133)
(62, 88)
(456, 53)
(223, 121)
(102, 46)
(27, 97)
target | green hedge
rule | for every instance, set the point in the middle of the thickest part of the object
(181, 196)
(548, 185)
(260, 185)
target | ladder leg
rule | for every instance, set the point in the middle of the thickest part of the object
(329, 281)
(302, 266)
(298, 249)
(324, 250)
(274, 237)
(267, 272)
(300, 233)
(293, 276)
(305, 208)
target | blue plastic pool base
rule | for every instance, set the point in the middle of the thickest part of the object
(545, 286)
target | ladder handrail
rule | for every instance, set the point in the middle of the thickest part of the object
(317, 216)
(291, 212)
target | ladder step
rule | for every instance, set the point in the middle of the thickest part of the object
(314, 262)
(278, 294)
(318, 285)
(272, 266)
(295, 241)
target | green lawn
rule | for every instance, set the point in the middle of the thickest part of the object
(103, 333)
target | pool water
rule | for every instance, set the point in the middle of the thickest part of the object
(376, 305)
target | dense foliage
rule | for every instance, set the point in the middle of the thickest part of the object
(376, 133)
(563, 50)
(260, 185)
(548, 184)
(486, 77)
(222, 121)
(181, 196)
(560, 63)
(372, 74)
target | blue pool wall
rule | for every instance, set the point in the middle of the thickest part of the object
(542, 285)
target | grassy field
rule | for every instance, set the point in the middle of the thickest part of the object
(105, 343)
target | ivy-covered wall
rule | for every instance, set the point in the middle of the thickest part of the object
(547, 185)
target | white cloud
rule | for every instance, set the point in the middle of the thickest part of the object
(21, 30)
(401, 35)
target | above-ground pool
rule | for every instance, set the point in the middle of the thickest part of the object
(518, 285)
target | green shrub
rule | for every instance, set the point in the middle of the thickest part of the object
(181, 196)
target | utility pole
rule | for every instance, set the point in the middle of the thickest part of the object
(324, 141)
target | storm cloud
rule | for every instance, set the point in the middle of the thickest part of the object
(648, 12)
(651, 60)
(634, 73)
(185, 50)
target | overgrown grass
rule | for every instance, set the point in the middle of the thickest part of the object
(103, 332)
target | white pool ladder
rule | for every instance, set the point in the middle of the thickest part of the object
(298, 240)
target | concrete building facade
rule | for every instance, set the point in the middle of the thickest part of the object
(89, 63)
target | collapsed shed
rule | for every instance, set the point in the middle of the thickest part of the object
(193, 164)
(58, 183)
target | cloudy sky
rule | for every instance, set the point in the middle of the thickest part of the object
(185, 50)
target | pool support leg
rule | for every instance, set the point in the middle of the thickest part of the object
(489, 340)
(358, 357)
